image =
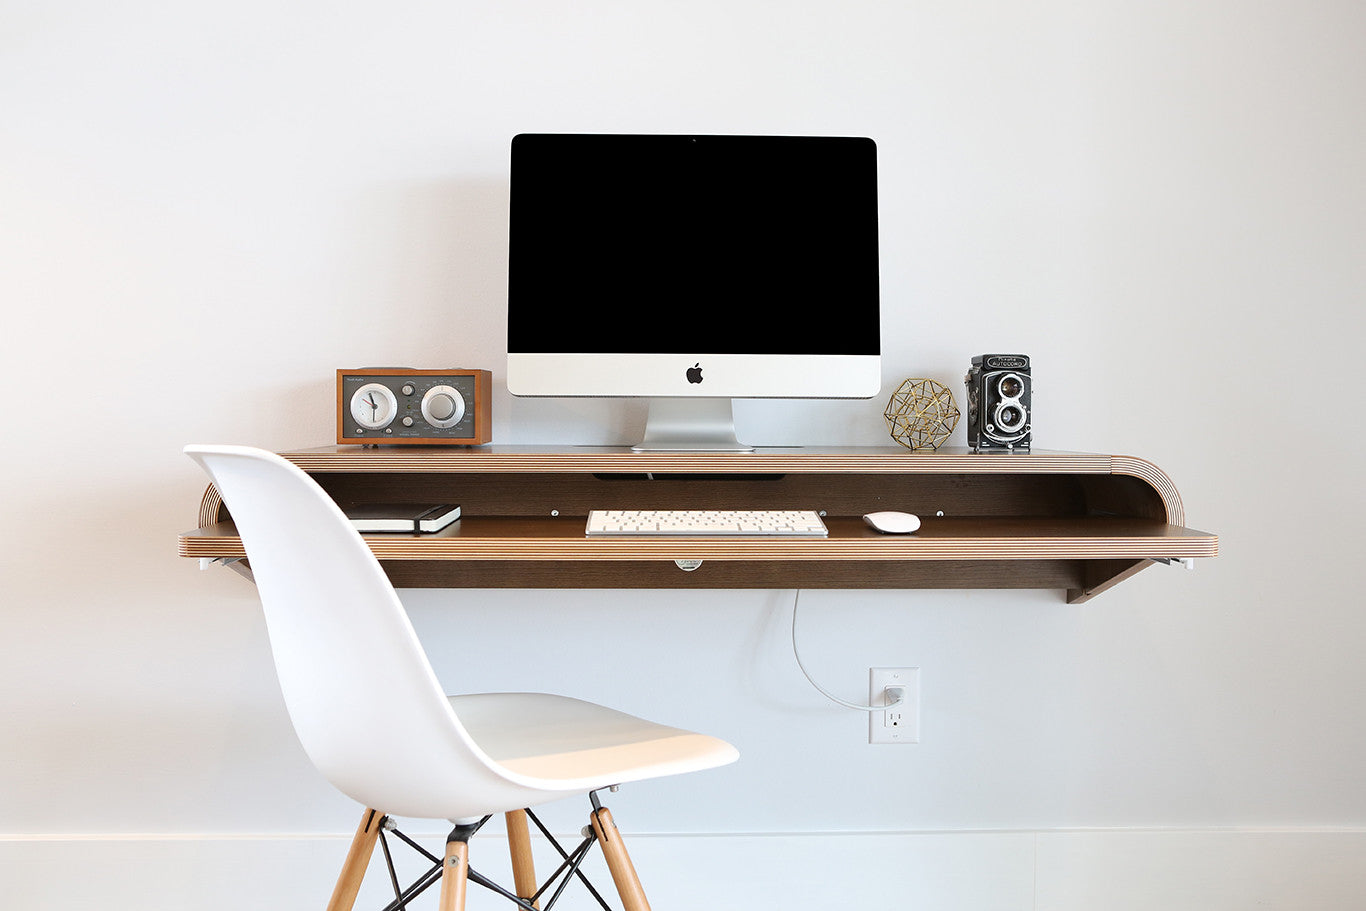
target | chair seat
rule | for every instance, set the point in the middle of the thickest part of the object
(563, 743)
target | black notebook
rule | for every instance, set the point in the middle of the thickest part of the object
(403, 518)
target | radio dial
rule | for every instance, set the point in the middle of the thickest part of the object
(443, 406)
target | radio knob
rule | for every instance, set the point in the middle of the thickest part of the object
(443, 406)
(407, 420)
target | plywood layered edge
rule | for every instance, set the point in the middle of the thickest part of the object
(885, 459)
(938, 539)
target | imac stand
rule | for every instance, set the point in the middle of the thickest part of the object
(690, 425)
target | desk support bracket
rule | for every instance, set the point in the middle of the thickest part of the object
(236, 564)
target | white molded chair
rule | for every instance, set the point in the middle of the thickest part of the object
(373, 718)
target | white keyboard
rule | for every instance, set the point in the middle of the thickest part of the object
(771, 522)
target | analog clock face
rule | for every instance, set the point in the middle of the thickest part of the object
(373, 406)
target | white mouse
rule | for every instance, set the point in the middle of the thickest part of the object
(893, 523)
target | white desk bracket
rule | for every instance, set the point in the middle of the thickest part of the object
(1187, 562)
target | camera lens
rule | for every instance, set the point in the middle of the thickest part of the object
(1010, 417)
(1010, 386)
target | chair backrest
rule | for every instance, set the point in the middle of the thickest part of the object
(360, 691)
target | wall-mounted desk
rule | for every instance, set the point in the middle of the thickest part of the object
(1045, 520)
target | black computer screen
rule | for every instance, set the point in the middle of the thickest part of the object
(624, 244)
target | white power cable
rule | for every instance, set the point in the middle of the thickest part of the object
(899, 691)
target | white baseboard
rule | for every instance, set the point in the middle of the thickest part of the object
(1117, 870)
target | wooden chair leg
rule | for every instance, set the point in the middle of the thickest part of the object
(523, 866)
(619, 862)
(454, 876)
(357, 862)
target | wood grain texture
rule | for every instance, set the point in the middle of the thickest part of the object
(454, 876)
(563, 539)
(619, 862)
(879, 459)
(357, 861)
(523, 864)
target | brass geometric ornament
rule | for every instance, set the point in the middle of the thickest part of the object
(921, 414)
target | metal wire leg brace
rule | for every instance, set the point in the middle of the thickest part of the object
(567, 870)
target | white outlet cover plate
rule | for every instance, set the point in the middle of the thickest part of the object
(903, 727)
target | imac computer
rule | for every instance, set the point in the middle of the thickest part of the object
(693, 270)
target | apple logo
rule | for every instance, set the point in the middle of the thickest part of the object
(695, 373)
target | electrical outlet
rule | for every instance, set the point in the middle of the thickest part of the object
(902, 723)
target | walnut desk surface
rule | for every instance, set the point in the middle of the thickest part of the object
(1076, 522)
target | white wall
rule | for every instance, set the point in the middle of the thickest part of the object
(208, 209)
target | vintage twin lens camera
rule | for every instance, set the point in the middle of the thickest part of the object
(999, 403)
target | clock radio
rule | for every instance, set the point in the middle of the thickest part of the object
(404, 405)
